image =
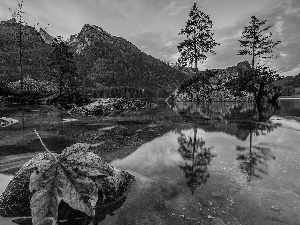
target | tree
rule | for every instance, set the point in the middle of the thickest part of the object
(257, 81)
(17, 14)
(255, 41)
(199, 38)
(287, 91)
(61, 62)
(21, 54)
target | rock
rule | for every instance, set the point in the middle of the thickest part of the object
(15, 200)
(209, 86)
(108, 106)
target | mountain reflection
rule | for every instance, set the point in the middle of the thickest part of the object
(197, 157)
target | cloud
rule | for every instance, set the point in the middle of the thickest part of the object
(175, 8)
(286, 20)
(153, 26)
(284, 15)
(159, 45)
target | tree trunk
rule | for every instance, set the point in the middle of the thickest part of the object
(253, 54)
(194, 144)
(253, 57)
(195, 55)
(20, 57)
(251, 143)
(60, 84)
(260, 92)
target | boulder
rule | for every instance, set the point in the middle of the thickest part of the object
(15, 200)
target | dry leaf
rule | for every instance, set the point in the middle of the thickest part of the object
(66, 177)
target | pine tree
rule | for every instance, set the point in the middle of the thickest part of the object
(255, 41)
(17, 14)
(61, 62)
(199, 38)
(21, 47)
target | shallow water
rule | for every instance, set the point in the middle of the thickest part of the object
(238, 162)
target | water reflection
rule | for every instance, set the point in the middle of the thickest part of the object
(246, 143)
(289, 107)
(196, 159)
(69, 216)
(254, 160)
(234, 118)
(243, 120)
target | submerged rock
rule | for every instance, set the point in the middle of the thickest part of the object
(108, 106)
(144, 205)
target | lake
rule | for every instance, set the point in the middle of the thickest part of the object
(237, 162)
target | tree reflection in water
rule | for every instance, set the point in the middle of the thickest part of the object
(239, 119)
(197, 158)
(254, 159)
(255, 162)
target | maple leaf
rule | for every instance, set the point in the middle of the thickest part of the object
(67, 177)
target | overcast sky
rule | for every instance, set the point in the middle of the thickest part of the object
(153, 25)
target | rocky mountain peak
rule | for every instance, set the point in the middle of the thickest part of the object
(94, 28)
(88, 35)
(92, 32)
(46, 37)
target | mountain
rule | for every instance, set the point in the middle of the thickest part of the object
(46, 37)
(34, 52)
(293, 81)
(103, 61)
(110, 61)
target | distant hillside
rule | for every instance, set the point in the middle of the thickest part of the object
(34, 50)
(110, 61)
(103, 61)
(293, 81)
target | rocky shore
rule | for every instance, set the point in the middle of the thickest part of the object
(108, 106)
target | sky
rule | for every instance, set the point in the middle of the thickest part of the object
(153, 25)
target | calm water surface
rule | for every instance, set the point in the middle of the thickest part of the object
(236, 161)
